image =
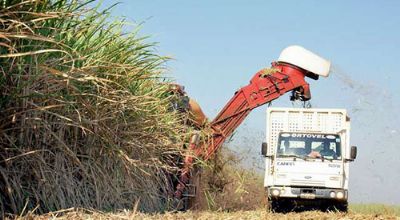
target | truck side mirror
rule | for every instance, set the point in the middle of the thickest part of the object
(353, 152)
(264, 149)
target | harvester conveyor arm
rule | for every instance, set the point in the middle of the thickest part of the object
(263, 88)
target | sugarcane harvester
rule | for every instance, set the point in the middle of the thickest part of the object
(286, 75)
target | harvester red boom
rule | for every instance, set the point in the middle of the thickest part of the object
(288, 74)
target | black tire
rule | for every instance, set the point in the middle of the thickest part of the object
(272, 206)
(341, 207)
(337, 207)
(279, 206)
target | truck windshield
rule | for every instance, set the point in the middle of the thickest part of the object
(309, 145)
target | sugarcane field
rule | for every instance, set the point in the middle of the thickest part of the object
(199, 109)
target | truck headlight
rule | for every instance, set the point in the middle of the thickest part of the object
(332, 194)
(340, 195)
(275, 192)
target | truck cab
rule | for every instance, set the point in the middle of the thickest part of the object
(307, 157)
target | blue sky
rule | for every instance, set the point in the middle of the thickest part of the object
(219, 45)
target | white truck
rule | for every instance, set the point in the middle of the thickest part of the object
(307, 155)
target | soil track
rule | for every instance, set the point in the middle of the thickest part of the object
(256, 214)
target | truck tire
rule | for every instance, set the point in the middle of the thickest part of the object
(279, 206)
(337, 207)
(341, 207)
(272, 206)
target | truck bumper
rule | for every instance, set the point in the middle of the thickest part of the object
(307, 193)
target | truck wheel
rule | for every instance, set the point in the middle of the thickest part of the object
(272, 206)
(280, 206)
(341, 207)
(338, 207)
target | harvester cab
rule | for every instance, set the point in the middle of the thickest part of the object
(183, 103)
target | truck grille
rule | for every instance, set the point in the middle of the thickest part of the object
(295, 182)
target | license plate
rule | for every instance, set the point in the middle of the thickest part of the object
(307, 195)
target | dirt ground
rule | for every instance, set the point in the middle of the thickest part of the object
(256, 214)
